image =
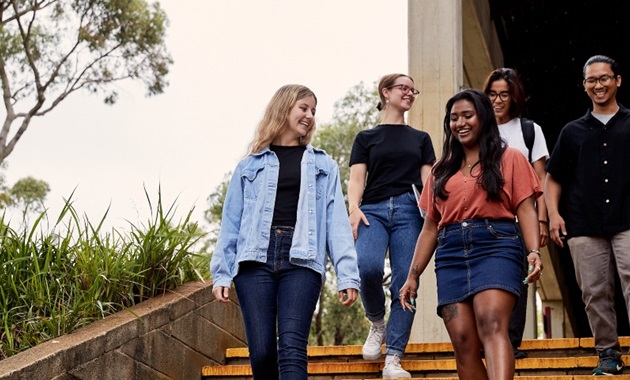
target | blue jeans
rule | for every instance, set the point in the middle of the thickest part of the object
(395, 224)
(277, 293)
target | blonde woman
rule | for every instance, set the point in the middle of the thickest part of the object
(284, 210)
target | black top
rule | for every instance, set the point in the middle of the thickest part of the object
(591, 161)
(285, 210)
(394, 155)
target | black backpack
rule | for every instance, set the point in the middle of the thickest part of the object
(527, 127)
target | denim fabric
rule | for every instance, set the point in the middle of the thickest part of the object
(596, 259)
(277, 293)
(475, 255)
(518, 318)
(395, 224)
(322, 220)
(519, 314)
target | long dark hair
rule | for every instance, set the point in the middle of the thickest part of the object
(491, 148)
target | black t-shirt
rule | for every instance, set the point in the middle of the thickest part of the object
(591, 161)
(288, 192)
(394, 155)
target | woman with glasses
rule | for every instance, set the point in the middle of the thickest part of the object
(384, 164)
(283, 212)
(507, 94)
(471, 199)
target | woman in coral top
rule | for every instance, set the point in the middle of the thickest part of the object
(472, 196)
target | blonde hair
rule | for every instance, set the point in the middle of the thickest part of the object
(386, 82)
(274, 121)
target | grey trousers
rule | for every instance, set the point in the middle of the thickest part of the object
(596, 259)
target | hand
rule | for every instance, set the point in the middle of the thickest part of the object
(350, 296)
(535, 268)
(544, 234)
(357, 216)
(557, 229)
(408, 295)
(221, 293)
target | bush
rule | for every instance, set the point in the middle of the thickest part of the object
(54, 282)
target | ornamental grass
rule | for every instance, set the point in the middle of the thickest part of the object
(57, 279)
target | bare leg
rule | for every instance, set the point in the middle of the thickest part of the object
(459, 320)
(492, 309)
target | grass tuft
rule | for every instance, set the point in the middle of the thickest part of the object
(57, 279)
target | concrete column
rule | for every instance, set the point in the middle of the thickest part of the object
(435, 63)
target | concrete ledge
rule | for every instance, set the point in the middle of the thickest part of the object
(166, 337)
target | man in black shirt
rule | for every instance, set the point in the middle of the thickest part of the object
(588, 183)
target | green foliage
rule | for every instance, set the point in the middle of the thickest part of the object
(52, 48)
(29, 194)
(356, 111)
(213, 215)
(334, 324)
(56, 281)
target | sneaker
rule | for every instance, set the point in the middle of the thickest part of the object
(519, 354)
(393, 370)
(610, 363)
(374, 341)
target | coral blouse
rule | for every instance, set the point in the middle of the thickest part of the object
(468, 200)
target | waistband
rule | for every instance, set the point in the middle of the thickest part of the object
(475, 223)
(282, 230)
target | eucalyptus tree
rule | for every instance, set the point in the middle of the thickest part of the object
(50, 49)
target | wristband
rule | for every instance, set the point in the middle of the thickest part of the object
(536, 252)
(543, 222)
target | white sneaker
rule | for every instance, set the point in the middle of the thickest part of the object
(374, 341)
(393, 370)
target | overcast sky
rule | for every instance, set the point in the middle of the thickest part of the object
(230, 57)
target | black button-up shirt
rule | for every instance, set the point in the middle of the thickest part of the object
(591, 161)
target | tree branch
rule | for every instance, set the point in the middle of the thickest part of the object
(32, 8)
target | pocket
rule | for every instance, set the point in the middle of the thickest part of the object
(252, 182)
(504, 230)
(440, 237)
(321, 182)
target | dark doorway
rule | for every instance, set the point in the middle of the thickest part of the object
(548, 43)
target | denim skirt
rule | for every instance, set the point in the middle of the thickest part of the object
(475, 255)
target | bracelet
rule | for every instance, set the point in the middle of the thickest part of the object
(543, 222)
(353, 211)
(536, 252)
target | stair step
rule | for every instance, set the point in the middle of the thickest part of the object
(440, 347)
(557, 377)
(549, 359)
(564, 364)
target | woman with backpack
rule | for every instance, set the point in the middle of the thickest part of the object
(507, 94)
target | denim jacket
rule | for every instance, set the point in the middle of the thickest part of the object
(322, 224)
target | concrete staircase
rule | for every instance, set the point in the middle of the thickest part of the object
(549, 359)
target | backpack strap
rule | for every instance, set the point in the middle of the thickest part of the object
(527, 127)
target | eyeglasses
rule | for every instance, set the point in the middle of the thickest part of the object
(604, 80)
(405, 89)
(503, 95)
